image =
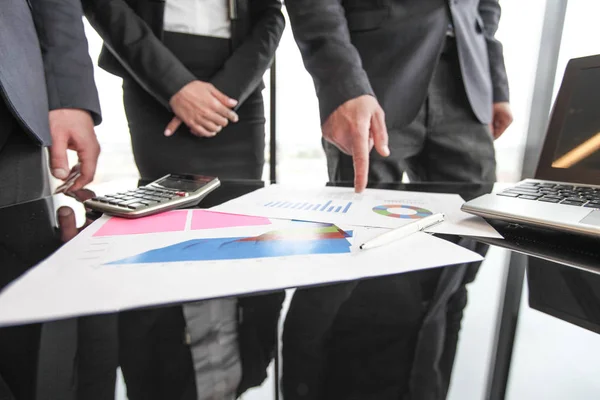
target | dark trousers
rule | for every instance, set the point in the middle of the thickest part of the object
(237, 152)
(444, 143)
(23, 174)
(22, 178)
(155, 359)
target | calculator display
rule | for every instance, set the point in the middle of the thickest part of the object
(186, 183)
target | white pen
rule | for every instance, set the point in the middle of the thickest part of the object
(403, 231)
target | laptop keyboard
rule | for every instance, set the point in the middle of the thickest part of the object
(581, 196)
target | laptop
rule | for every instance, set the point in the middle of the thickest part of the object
(565, 194)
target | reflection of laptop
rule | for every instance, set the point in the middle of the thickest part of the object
(566, 192)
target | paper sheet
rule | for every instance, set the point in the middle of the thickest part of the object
(98, 274)
(373, 207)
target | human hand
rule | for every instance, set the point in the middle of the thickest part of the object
(501, 119)
(354, 128)
(73, 129)
(203, 108)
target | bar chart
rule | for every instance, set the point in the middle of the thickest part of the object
(329, 206)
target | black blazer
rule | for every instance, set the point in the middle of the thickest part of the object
(132, 32)
(61, 75)
(389, 48)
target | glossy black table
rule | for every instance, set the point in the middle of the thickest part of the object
(348, 340)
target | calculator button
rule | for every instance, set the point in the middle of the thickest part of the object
(128, 202)
(154, 198)
(149, 202)
(101, 199)
(135, 206)
(181, 194)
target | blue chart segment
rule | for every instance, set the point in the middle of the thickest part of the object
(325, 206)
(310, 239)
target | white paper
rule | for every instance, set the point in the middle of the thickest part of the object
(78, 279)
(343, 206)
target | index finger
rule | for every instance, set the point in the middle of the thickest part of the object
(88, 158)
(360, 159)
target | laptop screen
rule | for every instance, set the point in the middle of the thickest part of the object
(579, 140)
(571, 151)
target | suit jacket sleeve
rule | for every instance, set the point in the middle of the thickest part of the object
(68, 68)
(490, 14)
(139, 51)
(244, 70)
(321, 31)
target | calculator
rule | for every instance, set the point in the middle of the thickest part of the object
(167, 193)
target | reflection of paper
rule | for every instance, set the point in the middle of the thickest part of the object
(374, 208)
(78, 279)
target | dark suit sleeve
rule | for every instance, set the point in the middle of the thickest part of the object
(136, 47)
(490, 14)
(244, 70)
(68, 67)
(321, 31)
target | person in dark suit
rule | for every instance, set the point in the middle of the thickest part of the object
(200, 64)
(192, 80)
(422, 81)
(47, 95)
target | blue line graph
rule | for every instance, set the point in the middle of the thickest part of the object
(329, 206)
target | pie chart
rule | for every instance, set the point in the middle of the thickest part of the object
(402, 211)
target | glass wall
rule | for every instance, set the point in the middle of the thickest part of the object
(520, 32)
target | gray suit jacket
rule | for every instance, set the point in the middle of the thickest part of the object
(389, 48)
(44, 62)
